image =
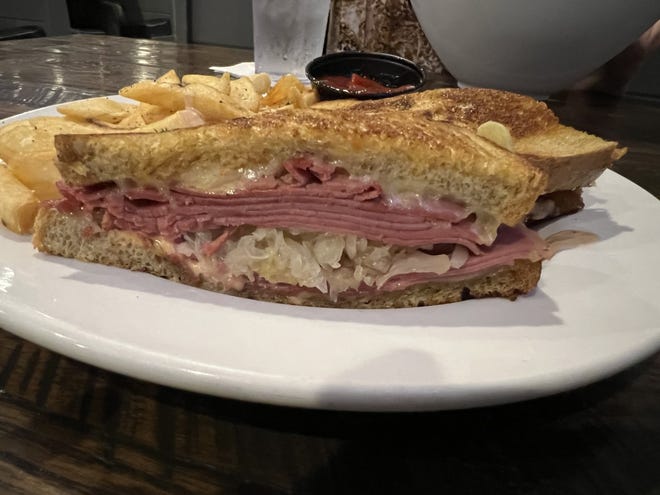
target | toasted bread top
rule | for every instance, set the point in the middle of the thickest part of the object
(571, 158)
(405, 154)
(471, 107)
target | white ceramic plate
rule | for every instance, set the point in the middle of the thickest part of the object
(595, 312)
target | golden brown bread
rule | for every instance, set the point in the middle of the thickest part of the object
(402, 152)
(77, 236)
(570, 158)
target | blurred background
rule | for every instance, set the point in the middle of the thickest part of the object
(229, 22)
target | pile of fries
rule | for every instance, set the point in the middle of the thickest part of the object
(27, 153)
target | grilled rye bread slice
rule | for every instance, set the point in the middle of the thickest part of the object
(572, 159)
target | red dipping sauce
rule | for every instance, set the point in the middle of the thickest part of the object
(362, 85)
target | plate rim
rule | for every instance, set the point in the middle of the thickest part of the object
(165, 371)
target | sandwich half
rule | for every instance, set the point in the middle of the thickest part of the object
(339, 209)
(571, 159)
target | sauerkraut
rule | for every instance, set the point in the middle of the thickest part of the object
(331, 263)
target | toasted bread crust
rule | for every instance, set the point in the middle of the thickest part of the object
(569, 157)
(399, 150)
(468, 107)
(77, 236)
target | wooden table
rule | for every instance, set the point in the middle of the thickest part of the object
(70, 428)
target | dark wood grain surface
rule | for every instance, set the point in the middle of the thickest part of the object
(70, 428)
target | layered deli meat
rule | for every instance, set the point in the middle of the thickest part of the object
(310, 226)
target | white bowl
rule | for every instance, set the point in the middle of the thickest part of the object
(530, 46)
